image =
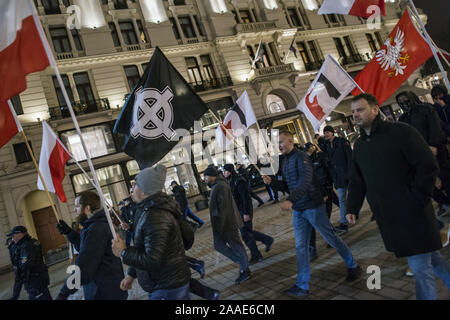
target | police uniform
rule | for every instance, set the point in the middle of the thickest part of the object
(30, 268)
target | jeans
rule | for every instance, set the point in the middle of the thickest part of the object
(303, 222)
(181, 293)
(342, 195)
(250, 237)
(233, 250)
(190, 214)
(424, 267)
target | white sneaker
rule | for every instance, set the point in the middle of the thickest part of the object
(445, 234)
(409, 273)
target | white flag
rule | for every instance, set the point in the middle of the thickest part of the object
(237, 121)
(331, 85)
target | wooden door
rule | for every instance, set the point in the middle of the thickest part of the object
(47, 233)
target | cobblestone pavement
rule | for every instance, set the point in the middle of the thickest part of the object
(277, 272)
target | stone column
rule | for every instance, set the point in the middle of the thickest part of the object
(72, 43)
(73, 86)
(197, 33)
(119, 34)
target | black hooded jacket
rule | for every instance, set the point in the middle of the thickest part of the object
(157, 259)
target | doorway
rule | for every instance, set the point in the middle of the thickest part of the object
(47, 233)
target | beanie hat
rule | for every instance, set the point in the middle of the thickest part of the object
(229, 167)
(329, 129)
(151, 180)
(211, 172)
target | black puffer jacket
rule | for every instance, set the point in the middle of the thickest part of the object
(158, 259)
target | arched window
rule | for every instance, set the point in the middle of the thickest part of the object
(275, 103)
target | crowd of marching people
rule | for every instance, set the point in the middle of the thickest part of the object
(392, 165)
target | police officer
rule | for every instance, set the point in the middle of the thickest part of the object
(17, 281)
(29, 265)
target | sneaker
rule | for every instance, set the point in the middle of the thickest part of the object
(341, 229)
(200, 224)
(445, 233)
(269, 245)
(243, 276)
(409, 272)
(296, 292)
(200, 268)
(255, 260)
(216, 295)
(353, 274)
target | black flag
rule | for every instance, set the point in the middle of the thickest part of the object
(161, 102)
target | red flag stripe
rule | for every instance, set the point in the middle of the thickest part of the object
(360, 7)
(25, 55)
(8, 126)
(56, 162)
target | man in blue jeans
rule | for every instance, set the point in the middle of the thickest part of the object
(340, 155)
(394, 167)
(308, 207)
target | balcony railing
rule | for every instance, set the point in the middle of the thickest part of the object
(255, 26)
(355, 58)
(282, 68)
(133, 47)
(216, 83)
(64, 55)
(80, 108)
(313, 65)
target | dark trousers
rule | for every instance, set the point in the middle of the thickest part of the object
(199, 289)
(250, 237)
(442, 195)
(39, 294)
(128, 238)
(255, 196)
(273, 194)
(231, 247)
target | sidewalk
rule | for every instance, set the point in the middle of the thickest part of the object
(277, 272)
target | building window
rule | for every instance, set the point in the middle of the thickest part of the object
(371, 42)
(199, 26)
(304, 53)
(194, 71)
(235, 16)
(187, 27)
(340, 47)
(208, 69)
(17, 104)
(76, 39)
(275, 103)
(314, 51)
(294, 17)
(132, 74)
(114, 35)
(144, 66)
(22, 153)
(112, 182)
(379, 39)
(274, 51)
(179, 2)
(128, 33)
(51, 6)
(245, 16)
(266, 62)
(142, 32)
(59, 94)
(174, 28)
(98, 139)
(84, 90)
(120, 4)
(60, 39)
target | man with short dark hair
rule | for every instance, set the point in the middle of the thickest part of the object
(340, 155)
(393, 166)
(238, 186)
(441, 99)
(226, 222)
(100, 271)
(306, 201)
(29, 266)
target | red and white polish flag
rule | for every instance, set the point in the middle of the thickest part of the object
(359, 8)
(21, 49)
(9, 124)
(54, 156)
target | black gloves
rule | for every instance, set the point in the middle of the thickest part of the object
(63, 228)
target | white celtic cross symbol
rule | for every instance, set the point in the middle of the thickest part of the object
(153, 114)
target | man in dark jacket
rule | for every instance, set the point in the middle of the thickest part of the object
(242, 171)
(157, 258)
(441, 100)
(100, 271)
(29, 267)
(225, 222)
(127, 211)
(424, 118)
(17, 281)
(340, 156)
(393, 166)
(308, 212)
(180, 197)
(239, 189)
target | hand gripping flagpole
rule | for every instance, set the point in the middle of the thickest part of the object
(72, 114)
(30, 151)
(430, 44)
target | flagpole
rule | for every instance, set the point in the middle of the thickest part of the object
(267, 149)
(440, 51)
(72, 114)
(238, 144)
(428, 40)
